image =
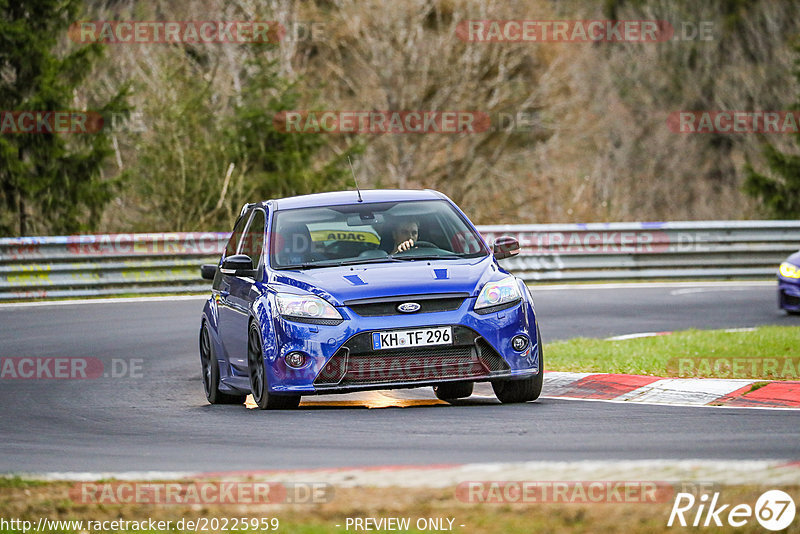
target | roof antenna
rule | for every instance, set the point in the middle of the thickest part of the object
(354, 179)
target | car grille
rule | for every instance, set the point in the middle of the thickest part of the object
(357, 364)
(388, 306)
(791, 300)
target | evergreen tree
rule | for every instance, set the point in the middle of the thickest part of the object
(779, 191)
(281, 164)
(204, 156)
(49, 182)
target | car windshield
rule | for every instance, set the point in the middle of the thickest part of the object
(350, 234)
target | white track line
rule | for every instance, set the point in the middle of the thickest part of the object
(637, 335)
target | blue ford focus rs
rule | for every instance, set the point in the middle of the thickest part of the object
(347, 291)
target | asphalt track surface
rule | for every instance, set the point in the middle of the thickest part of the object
(161, 421)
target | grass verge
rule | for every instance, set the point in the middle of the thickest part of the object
(53, 501)
(768, 352)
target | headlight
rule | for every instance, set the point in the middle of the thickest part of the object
(789, 271)
(498, 295)
(306, 308)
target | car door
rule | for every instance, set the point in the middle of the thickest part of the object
(222, 286)
(240, 295)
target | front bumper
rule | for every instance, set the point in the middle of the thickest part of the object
(789, 294)
(340, 357)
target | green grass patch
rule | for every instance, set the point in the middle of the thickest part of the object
(768, 352)
(17, 482)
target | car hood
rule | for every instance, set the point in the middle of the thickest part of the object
(420, 277)
(794, 259)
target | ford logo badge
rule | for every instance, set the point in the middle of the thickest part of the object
(408, 307)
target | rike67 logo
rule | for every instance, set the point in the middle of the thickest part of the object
(774, 510)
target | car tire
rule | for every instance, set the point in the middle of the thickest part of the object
(258, 377)
(210, 369)
(525, 390)
(448, 391)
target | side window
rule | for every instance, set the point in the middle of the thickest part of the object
(253, 241)
(236, 236)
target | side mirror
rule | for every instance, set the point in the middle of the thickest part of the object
(207, 272)
(505, 247)
(238, 265)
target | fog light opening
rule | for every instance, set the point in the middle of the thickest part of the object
(295, 360)
(519, 343)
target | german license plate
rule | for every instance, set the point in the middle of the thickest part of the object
(419, 337)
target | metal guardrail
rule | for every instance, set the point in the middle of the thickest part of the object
(109, 264)
(671, 250)
(114, 264)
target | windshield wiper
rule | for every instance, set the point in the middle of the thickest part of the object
(427, 257)
(356, 261)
